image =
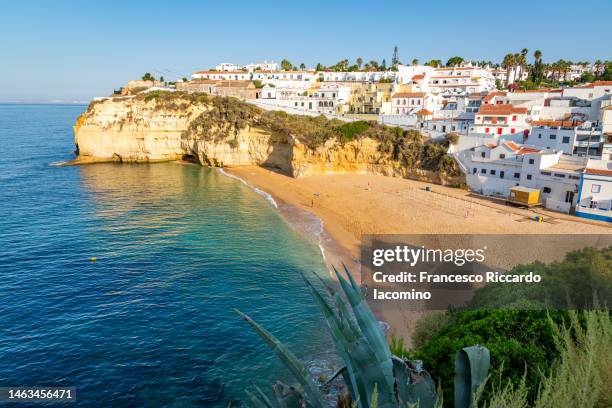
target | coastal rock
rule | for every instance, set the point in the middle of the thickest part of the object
(134, 129)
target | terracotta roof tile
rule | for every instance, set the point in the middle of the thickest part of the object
(505, 109)
(492, 95)
(599, 172)
(409, 95)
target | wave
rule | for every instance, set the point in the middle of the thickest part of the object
(301, 220)
(60, 163)
(262, 193)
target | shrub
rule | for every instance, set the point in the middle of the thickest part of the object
(426, 328)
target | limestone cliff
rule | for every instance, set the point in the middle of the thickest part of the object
(143, 129)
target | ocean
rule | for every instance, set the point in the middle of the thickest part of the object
(176, 248)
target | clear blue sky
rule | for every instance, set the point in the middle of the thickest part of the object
(75, 50)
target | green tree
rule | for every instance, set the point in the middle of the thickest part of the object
(359, 62)
(286, 65)
(454, 61)
(395, 59)
(508, 64)
(415, 61)
(148, 77)
(302, 66)
(320, 67)
(434, 63)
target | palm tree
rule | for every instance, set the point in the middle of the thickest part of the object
(536, 75)
(517, 59)
(508, 63)
(359, 61)
(415, 62)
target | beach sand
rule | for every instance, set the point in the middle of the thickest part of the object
(352, 205)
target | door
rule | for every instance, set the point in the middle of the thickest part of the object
(569, 197)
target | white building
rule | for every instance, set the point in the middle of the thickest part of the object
(263, 66)
(501, 119)
(222, 75)
(447, 81)
(495, 169)
(320, 98)
(569, 137)
(227, 66)
(409, 103)
(357, 76)
(595, 193)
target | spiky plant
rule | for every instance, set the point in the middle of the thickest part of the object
(374, 377)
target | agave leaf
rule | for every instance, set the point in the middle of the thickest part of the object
(256, 401)
(413, 387)
(264, 397)
(376, 341)
(343, 337)
(471, 368)
(366, 320)
(288, 396)
(290, 360)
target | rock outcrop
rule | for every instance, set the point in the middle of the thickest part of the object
(134, 129)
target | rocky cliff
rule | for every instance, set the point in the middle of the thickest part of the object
(216, 132)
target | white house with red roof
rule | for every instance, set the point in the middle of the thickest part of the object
(501, 119)
(409, 103)
(222, 75)
(493, 169)
(447, 81)
(595, 191)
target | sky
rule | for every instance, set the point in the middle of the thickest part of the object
(68, 51)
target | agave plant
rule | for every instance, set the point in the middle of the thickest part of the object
(374, 377)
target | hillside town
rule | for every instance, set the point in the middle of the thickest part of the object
(519, 128)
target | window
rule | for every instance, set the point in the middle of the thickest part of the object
(574, 177)
(483, 171)
(547, 190)
(566, 139)
(560, 175)
(595, 188)
(539, 135)
(531, 161)
(593, 204)
(499, 131)
(482, 154)
(514, 118)
(552, 137)
(545, 173)
(493, 172)
(529, 177)
(501, 174)
(474, 170)
(517, 175)
(502, 156)
(486, 130)
(512, 130)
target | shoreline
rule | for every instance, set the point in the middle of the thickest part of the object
(351, 205)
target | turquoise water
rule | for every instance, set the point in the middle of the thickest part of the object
(150, 323)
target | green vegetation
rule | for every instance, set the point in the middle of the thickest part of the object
(524, 332)
(576, 281)
(286, 65)
(148, 77)
(580, 377)
(454, 61)
(257, 84)
(373, 376)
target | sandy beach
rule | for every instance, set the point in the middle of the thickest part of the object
(352, 205)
